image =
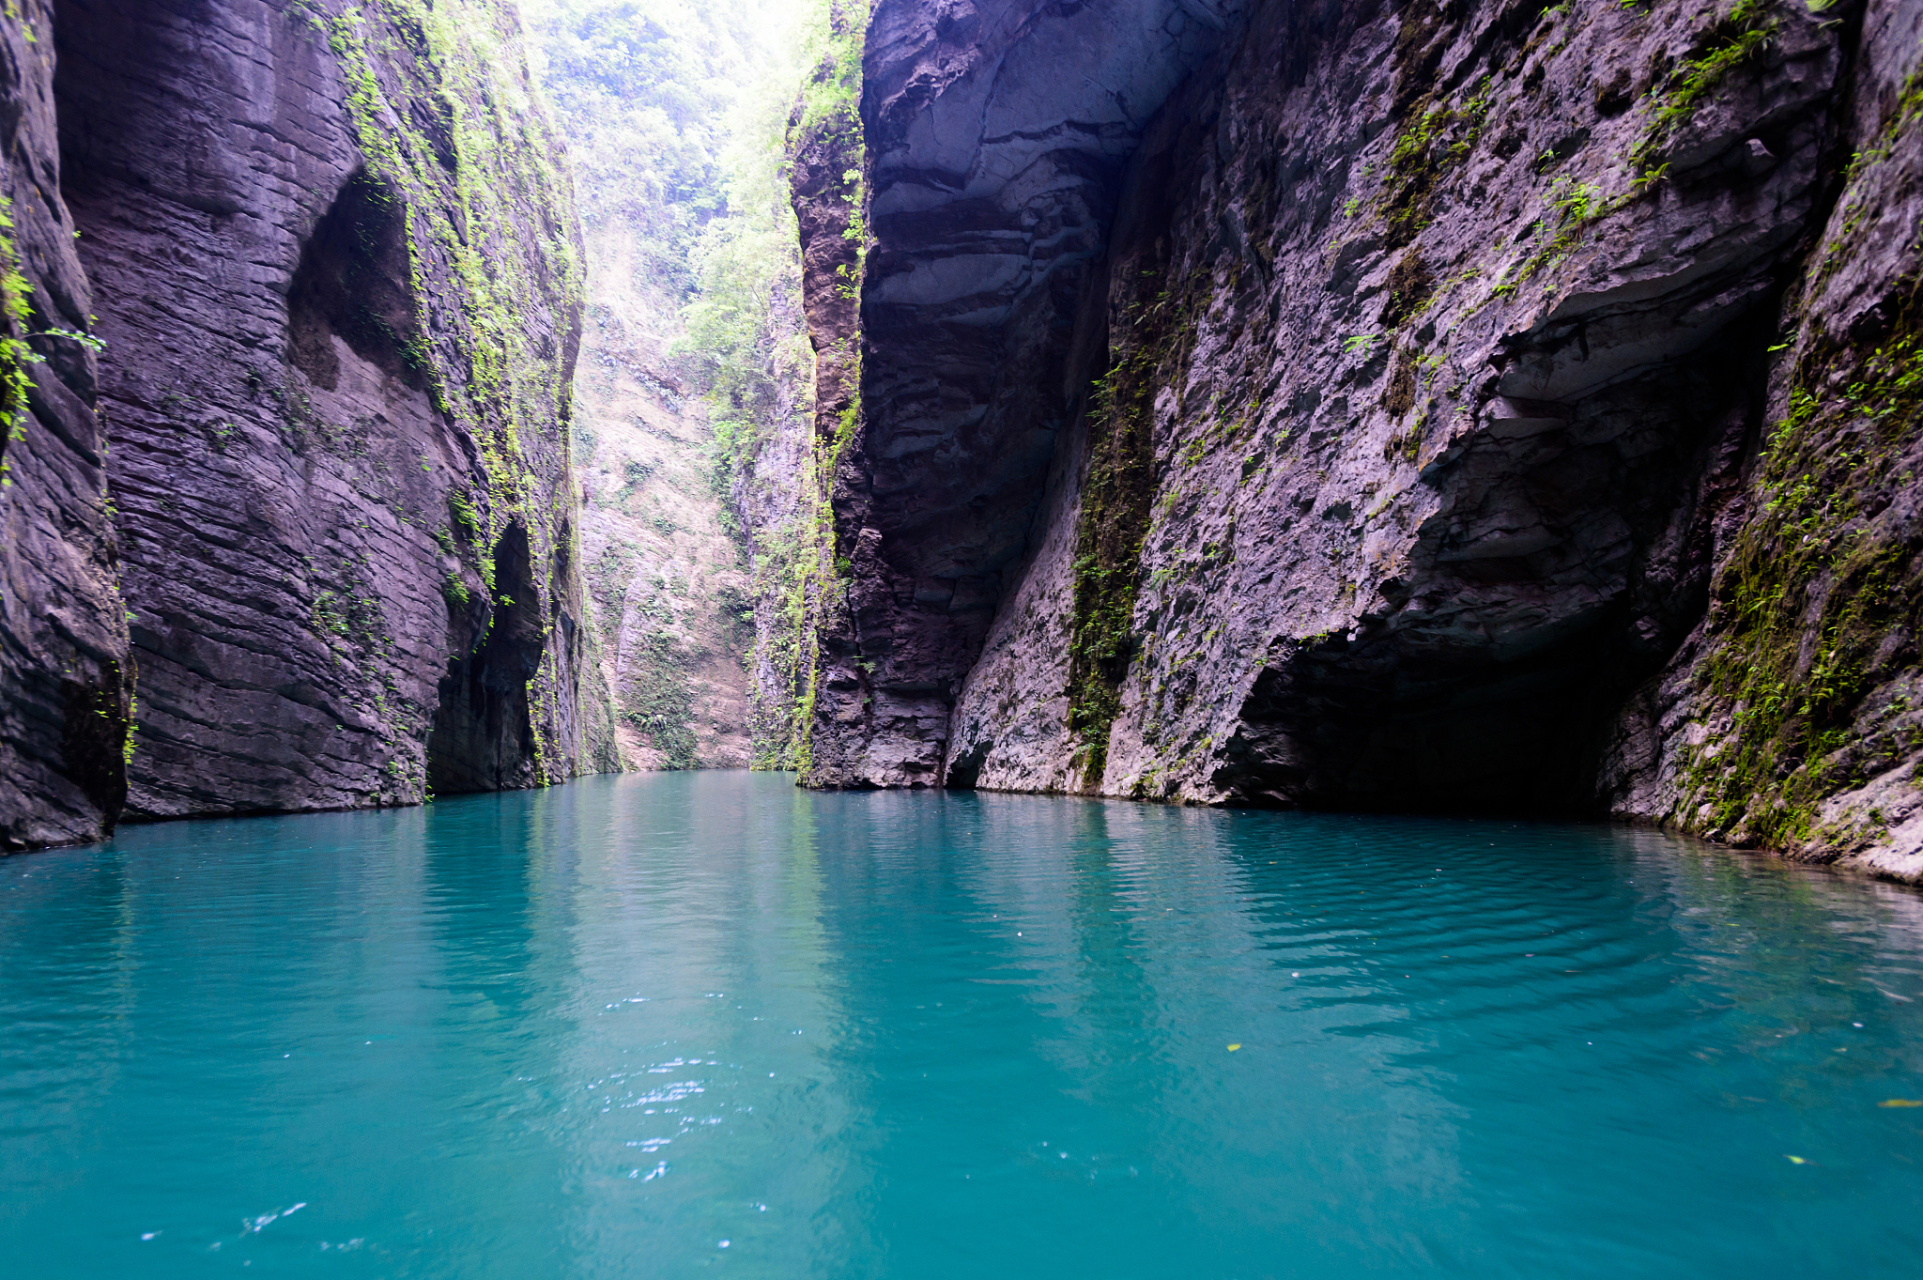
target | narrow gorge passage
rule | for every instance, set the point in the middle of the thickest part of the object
(915, 638)
(1509, 410)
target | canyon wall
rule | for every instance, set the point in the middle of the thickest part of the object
(665, 574)
(990, 150)
(691, 432)
(334, 263)
(66, 679)
(1500, 408)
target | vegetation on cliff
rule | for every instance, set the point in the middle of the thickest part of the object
(1818, 611)
(461, 152)
(693, 367)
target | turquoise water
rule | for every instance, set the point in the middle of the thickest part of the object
(679, 1024)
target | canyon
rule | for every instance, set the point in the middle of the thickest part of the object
(1494, 407)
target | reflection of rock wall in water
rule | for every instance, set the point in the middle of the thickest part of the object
(1387, 416)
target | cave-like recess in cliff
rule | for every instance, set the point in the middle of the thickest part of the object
(352, 281)
(1559, 549)
(483, 738)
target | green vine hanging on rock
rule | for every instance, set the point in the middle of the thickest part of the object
(1116, 512)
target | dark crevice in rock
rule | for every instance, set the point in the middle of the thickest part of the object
(352, 282)
(1426, 710)
(93, 741)
(482, 737)
(1147, 324)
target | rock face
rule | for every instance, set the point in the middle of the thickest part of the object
(1425, 417)
(336, 272)
(1790, 717)
(828, 177)
(996, 139)
(666, 579)
(337, 277)
(65, 676)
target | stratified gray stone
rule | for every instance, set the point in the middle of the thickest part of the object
(320, 452)
(65, 675)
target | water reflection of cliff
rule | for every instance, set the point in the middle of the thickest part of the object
(886, 1034)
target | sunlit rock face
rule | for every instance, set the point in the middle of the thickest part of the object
(997, 137)
(1432, 465)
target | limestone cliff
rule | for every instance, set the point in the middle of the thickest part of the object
(995, 142)
(690, 438)
(335, 267)
(837, 595)
(337, 274)
(1495, 407)
(65, 676)
(665, 575)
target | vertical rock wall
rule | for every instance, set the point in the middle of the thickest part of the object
(1430, 436)
(1792, 716)
(66, 679)
(847, 595)
(336, 270)
(338, 277)
(1416, 400)
(664, 572)
(995, 141)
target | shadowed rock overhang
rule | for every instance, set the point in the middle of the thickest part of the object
(998, 136)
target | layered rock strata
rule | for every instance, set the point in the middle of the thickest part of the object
(1424, 422)
(66, 679)
(337, 276)
(996, 137)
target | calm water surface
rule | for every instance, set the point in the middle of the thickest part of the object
(652, 1025)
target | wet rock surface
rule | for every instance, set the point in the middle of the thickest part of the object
(1788, 717)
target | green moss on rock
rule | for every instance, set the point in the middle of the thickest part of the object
(447, 118)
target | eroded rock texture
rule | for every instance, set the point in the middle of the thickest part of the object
(1407, 433)
(664, 574)
(65, 675)
(1790, 717)
(337, 275)
(996, 139)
